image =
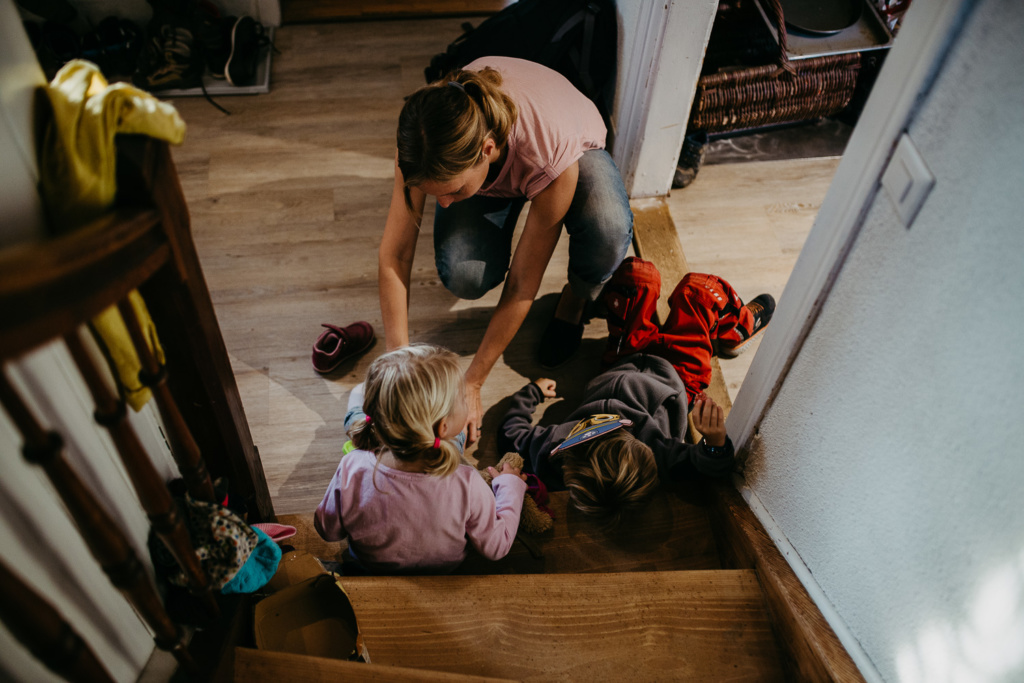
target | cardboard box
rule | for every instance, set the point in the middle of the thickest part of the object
(295, 567)
(313, 617)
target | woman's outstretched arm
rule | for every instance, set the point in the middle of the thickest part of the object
(397, 250)
(543, 227)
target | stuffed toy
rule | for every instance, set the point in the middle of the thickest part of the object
(535, 518)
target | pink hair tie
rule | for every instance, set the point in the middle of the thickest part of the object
(368, 420)
(437, 442)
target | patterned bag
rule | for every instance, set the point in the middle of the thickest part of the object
(222, 541)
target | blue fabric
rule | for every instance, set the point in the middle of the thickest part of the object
(258, 569)
(473, 237)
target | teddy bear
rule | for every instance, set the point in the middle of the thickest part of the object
(533, 519)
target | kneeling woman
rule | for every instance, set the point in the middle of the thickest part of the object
(483, 141)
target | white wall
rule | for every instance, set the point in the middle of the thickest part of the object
(891, 458)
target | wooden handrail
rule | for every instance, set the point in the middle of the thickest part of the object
(50, 287)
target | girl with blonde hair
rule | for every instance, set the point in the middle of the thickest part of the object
(483, 141)
(404, 498)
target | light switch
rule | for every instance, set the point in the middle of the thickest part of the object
(907, 180)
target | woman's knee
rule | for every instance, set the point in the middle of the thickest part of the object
(469, 279)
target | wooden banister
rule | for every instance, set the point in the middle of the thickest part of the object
(203, 381)
(49, 288)
(154, 497)
(45, 633)
(183, 446)
(105, 540)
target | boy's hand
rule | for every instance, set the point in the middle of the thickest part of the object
(546, 386)
(506, 469)
(709, 420)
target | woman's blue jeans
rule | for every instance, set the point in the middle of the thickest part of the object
(473, 237)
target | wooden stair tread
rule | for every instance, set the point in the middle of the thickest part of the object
(255, 666)
(672, 533)
(682, 625)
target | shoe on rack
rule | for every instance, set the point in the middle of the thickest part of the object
(691, 158)
(247, 42)
(336, 344)
(216, 37)
(113, 47)
(171, 58)
(762, 307)
(560, 341)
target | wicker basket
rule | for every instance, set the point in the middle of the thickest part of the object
(781, 92)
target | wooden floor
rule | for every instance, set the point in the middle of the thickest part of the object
(288, 197)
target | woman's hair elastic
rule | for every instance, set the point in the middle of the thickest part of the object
(437, 442)
(457, 85)
(368, 419)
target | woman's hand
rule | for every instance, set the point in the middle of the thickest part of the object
(709, 419)
(506, 469)
(476, 412)
(546, 386)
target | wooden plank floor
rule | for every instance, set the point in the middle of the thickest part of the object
(288, 197)
(646, 626)
(747, 222)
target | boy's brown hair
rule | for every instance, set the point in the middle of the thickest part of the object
(610, 476)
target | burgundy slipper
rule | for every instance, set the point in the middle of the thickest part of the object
(335, 344)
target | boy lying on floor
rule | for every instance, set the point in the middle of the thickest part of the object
(628, 433)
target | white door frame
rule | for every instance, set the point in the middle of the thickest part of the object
(662, 54)
(910, 68)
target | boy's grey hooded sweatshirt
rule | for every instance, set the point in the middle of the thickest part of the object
(643, 388)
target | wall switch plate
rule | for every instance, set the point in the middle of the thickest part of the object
(907, 180)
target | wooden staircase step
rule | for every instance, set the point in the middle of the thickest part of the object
(673, 533)
(259, 666)
(667, 625)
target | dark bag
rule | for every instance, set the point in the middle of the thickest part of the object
(576, 38)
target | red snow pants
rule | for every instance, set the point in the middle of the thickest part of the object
(702, 309)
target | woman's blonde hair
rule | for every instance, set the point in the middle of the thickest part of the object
(614, 475)
(408, 392)
(443, 126)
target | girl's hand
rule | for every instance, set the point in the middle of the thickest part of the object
(476, 413)
(546, 386)
(506, 469)
(709, 419)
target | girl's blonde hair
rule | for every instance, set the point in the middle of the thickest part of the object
(443, 126)
(408, 392)
(615, 475)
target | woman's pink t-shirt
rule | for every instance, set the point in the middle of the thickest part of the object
(403, 521)
(555, 126)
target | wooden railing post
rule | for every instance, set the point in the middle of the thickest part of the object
(183, 446)
(45, 633)
(154, 497)
(104, 538)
